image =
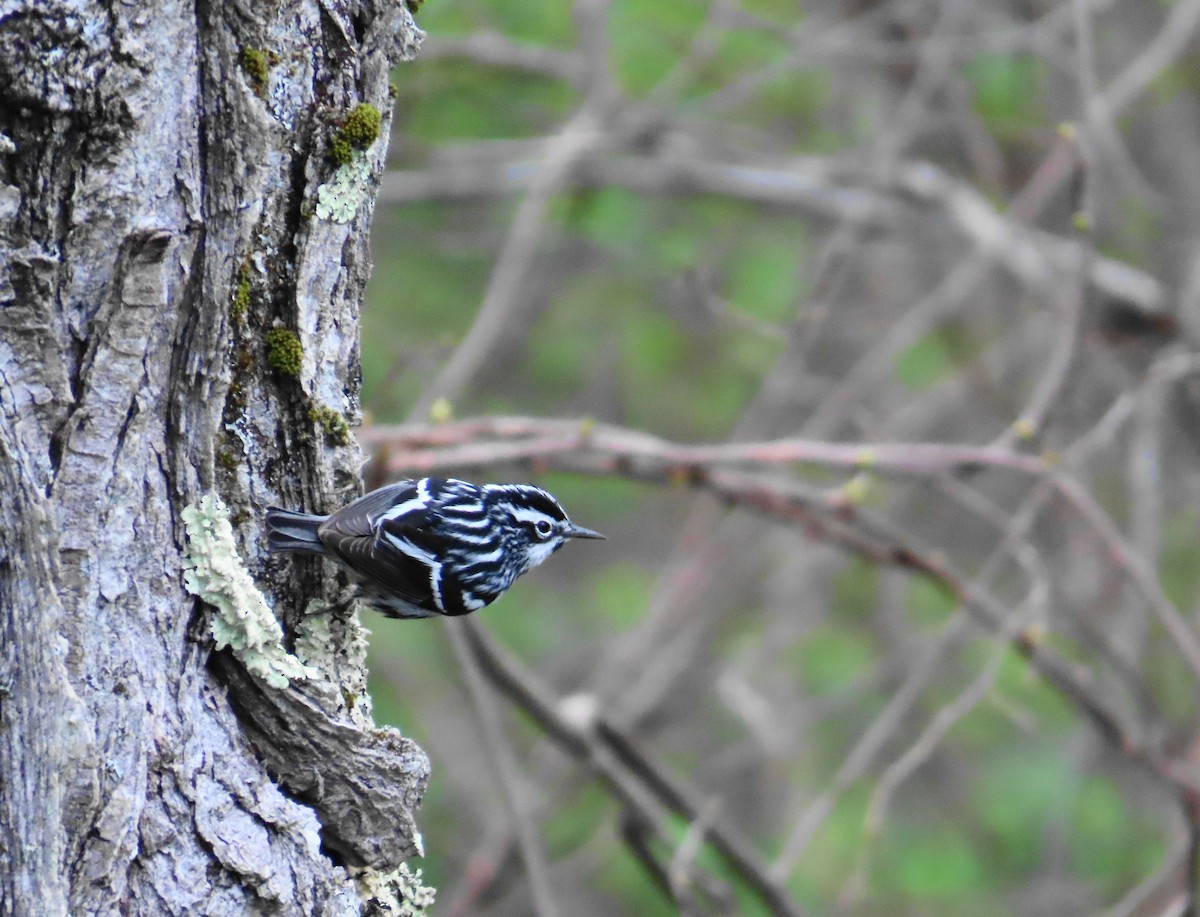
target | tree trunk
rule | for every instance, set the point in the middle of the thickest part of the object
(184, 201)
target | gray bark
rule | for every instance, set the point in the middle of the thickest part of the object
(146, 171)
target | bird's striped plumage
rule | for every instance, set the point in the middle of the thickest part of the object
(433, 546)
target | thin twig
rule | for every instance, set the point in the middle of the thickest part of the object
(825, 187)
(617, 759)
(505, 764)
(611, 450)
(505, 292)
(604, 449)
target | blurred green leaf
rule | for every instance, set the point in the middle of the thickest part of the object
(591, 500)
(780, 12)
(721, 396)
(927, 362)
(834, 850)
(984, 728)
(561, 346)
(624, 877)
(615, 218)
(678, 247)
(929, 602)
(573, 822)
(763, 281)
(792, 103)
(621, 593)
(653, 346)
(1008, 92)
(546, 22)
(648, 37)
(1171, 680)
(462, 101)
(1110, 844)
(531, 618)
(830, 658)
(739, 52)
(854, 590)
(1019, 685)
(932, 864)
(1018, 796)
(443, 19)
(1181, 78)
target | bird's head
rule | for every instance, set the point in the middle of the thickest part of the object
(533, 522)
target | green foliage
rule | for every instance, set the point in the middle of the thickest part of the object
(1183, 78)
(1172, 683)
(647, 38)
(780, 12)
(1179, 559)
(764, 280)
(422, 295)
(654, 349)
(833, 852)
(739, 51)
(795, 101)
(285, 353)
(1138, 233)
(1008, 92)
(854, 590)
(562, 346)
(597, 501)
(831, 658)
(543, 22)
(929, 602)
(622, 876)
(616, 218)
(1021, 687)
(470, 103)
(1017, 797)
(572, 825)
(621, 593)
(1111, 845)
(936, 356)
(932, 865)
(535, 616)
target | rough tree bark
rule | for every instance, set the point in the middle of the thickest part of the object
(169, 195)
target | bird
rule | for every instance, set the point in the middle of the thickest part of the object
(431, 546)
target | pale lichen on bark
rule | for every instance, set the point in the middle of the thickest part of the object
(340, 198)
(242, 621)
(399, 893)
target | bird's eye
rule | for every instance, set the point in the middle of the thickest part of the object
(543, 529)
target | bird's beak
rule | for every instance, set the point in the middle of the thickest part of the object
(578, 531)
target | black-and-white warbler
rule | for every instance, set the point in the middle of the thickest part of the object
(433, 546)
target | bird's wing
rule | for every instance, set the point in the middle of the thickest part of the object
(359, 518)
(389, 564)
(370, 536)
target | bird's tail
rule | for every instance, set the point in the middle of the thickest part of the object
(290, 531)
